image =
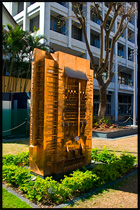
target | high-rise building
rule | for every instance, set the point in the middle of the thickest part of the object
(68, 38)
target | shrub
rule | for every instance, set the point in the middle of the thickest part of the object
(15, 175)
(107, 173)
(50, 191)
(81, 181)
(104, 156)
(127, 160)
(94, 154)
(112, 171)
(19, 159)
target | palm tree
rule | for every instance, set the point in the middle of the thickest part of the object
(18, 46)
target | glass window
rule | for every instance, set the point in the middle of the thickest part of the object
(34, 23)
(93, 16)
(57, 25)
(130, 54)
(121, 50)
(124, 104)
(76, 33)
(62, 3)
(32, 3)
(108, 98)
(96, 107)
(108, 109)
(20, 6)
(95, 40)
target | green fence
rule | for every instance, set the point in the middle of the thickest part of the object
(15, 123)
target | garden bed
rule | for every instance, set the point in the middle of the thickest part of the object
(49, 192)
(114, 132)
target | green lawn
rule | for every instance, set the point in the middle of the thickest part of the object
(11, 201)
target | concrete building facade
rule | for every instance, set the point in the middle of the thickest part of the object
(69, 39)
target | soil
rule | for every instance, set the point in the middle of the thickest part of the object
(110, 129)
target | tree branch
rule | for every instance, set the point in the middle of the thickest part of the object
(82, 21)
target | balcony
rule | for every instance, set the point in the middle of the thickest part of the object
(58, 38)
(125, 84)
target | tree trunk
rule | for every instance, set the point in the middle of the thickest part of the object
(103, 100)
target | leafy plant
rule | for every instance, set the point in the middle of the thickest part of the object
(15, 175)
(107, 173)
(51, 191)
(19, 159)
(104, 156)
(81, 181)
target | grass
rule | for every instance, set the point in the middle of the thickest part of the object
(15, 147)
(128, 144)
(11, 201)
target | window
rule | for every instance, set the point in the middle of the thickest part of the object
(96, 105)
(62, 3)
(76, 33)
(125, 79)
(130, 35)
(32, 3)
(34, 23)
(95, 40)
(124, 104)
(121, 50)
(93, 16)
(20, 7)
(130, 54)
(108, 109)
(57, 25)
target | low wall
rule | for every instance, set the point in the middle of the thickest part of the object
(115, 134)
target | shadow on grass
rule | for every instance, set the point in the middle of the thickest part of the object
(119, 151)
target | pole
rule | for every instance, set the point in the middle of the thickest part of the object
(26, 127)
(134, 95)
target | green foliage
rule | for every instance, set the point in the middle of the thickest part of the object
(15, 175)
(18, 49)
(105, 156)
(81, 181)
(51, 191)
(102, 123)
(127, 160)
(113, 170)
(104, 120)
(19, 159)
(94, 154)
(107, 173)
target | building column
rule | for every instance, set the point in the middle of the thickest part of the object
(135, 96)
(116, 77)
(69, 24)
(87, 12)
(46, 20)
(25, 20)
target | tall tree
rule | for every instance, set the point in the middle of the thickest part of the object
(105, 62)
